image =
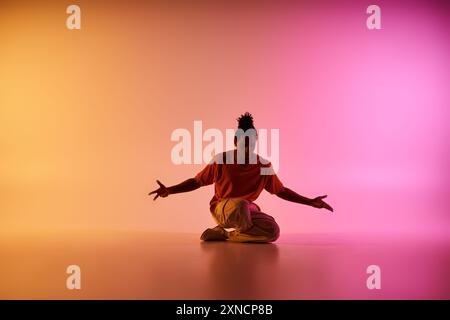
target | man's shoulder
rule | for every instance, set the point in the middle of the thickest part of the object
(221, 157)
(264, 162)
(218, 158)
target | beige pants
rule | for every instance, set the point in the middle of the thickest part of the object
(249, 223)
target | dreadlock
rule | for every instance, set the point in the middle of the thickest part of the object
(245, 122)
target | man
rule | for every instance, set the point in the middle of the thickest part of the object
(238, 180)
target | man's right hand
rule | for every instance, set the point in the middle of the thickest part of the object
(162, 191)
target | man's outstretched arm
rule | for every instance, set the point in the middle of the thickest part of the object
(289, 195)
(185, 186)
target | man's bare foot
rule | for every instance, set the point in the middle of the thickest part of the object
(214, 234)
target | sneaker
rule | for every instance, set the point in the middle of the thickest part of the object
(214, 234)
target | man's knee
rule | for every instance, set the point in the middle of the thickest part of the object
(241, 215)
(274, 232)
(241, 204)
(270, 227)
(234, 213)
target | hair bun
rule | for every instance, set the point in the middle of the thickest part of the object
(245, 121)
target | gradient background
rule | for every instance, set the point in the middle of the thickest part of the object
(86, 116)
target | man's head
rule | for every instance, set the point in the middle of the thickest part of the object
(246, 134)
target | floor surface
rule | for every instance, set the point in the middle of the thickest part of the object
(139, 265)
